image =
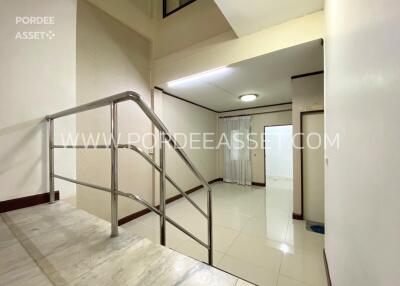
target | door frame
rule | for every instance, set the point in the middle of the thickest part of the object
(302, 113)
(265, 149)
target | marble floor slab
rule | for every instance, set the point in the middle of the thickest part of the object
(16, 265)
(61, 245)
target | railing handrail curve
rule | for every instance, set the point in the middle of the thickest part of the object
(138, 99)
(165, 136)
(145, 156)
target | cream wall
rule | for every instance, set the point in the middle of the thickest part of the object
(184, 118)
(37, 77)
(277, 115)
(111, 58)
(226, 48)
(185, 43)
(309, 95)
(136, 14)
(195, 23)
(362, 176)
(176, 32)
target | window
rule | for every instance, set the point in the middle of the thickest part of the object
(171, 6)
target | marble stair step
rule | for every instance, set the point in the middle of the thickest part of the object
(61, 245)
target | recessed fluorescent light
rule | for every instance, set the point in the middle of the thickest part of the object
(248, 97)
(197, 76)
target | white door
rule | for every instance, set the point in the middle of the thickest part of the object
(313, 166)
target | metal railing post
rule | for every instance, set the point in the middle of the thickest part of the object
(165, 137)
(210, 227)
(114, 170)
(50, 126)
(162, 188)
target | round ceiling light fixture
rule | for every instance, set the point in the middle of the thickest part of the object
(248, 97)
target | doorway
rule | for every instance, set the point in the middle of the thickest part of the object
(279, 180)
(278, 153)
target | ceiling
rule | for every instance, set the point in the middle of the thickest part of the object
(268, 76)
(247, 17)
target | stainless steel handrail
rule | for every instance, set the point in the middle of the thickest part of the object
(146, 157)
(135, 97)
(137, 199)
(165, 134)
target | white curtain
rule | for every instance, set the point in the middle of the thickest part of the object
(237, 153)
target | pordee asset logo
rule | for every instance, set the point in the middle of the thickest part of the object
(34, 35)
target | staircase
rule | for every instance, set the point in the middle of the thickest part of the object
(58, 244)
(165, 138)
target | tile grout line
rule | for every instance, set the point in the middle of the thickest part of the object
(7, 222)
(283, 254)
(297, 280)
(240, 232)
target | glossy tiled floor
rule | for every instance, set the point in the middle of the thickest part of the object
(254, 235)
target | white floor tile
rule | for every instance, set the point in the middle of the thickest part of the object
(273, 227)
(233, 220)
(196, 251)
(305, 266)
(286, 281)
(299, 237)
(256, 251)
(250, 272)
(224, 237)
(254, 234)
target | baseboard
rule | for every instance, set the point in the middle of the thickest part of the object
(215, 180)
(25, 202)
(258, 184)
(170, 200)
(328, 276)
(133, 216)
(297, 216)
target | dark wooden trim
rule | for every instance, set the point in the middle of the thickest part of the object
(258, 184)
(265, 149)
(256, 113)
(166, 14)
(255, 107)
(138, 214)
(306, 74)
(215, 180)
(233, 110)
(297, 216)
(328, 275)
(133, 216)
(185, 100)
(25, 202)
(301, 154)
(177, 197)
